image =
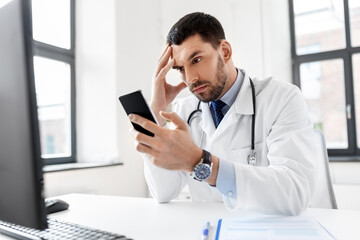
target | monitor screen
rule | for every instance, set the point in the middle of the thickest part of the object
(21, 200)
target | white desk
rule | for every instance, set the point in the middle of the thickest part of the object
(144, 219)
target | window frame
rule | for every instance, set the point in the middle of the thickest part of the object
(352, 153)
(67, 56)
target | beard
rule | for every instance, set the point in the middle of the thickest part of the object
(215, 89)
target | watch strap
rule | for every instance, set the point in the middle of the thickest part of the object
(206, 157)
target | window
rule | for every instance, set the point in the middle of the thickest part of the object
(325, 37)
(54, 71)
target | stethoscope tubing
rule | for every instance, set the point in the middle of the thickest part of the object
(253, 116)
(192, 114)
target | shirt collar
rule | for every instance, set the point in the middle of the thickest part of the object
(230, 96)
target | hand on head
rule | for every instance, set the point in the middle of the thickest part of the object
(162, 92)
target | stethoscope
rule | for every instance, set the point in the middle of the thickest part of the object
(252, 156)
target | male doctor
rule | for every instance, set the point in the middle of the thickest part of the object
(211, 155)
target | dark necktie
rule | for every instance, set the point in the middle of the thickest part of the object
(218, 106)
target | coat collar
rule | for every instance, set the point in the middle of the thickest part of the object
(243, 103)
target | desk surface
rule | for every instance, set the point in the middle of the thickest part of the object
(143, 218)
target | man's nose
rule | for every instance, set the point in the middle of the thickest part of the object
(191, 77)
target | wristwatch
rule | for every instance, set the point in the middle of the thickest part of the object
(203, 169)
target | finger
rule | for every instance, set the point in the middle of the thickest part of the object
(174, 118)
(145, 149)
(145, 123)
(163, 53)
(165, 69)
(163, 61)
(142, 138)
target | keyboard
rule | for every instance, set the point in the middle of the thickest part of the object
(57, 230)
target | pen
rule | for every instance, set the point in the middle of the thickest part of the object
(205, 232)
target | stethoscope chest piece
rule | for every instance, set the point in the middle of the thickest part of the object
(252, 158)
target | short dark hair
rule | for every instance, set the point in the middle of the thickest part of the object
(207, 26)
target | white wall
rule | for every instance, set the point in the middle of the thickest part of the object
(346, 181)
(96, 80)
(137, 34)
(118, 45)
(101, 180)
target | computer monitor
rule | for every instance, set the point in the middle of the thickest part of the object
(21, 190)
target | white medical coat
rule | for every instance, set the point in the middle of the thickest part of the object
(283, 180)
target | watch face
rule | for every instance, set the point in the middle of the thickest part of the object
(202, 171)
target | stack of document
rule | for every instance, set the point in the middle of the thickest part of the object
(274, 228)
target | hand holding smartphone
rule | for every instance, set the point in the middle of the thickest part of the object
(135, 103)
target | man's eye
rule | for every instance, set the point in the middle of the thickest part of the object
(196, 60)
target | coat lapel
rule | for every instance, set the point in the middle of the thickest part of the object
(242, 106)
(207, 123)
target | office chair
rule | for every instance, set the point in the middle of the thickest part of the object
(324, 196)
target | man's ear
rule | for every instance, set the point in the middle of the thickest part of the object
(226, 50)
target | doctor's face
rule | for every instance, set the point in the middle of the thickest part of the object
(201, 67)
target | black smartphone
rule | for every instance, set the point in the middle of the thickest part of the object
(135, 103)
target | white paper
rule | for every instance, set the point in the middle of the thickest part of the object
(272, 228)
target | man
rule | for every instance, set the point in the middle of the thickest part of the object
(213, 155)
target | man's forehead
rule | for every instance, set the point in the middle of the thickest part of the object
(191, 45)
(183, 54)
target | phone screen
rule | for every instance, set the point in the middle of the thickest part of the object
(135, 103)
